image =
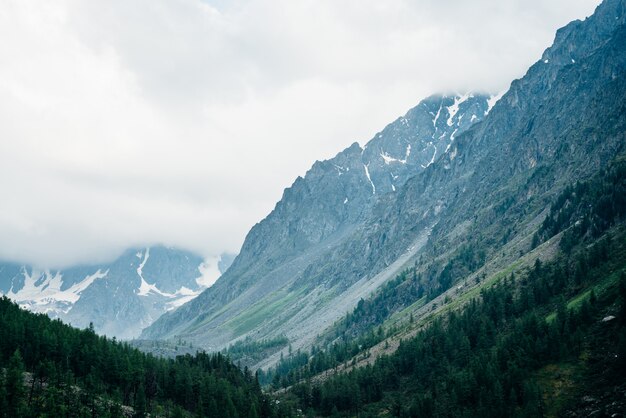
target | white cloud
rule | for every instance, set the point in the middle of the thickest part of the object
(128, 123)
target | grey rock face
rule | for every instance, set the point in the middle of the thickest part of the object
(343, 223)
(561, 122)
(120, 298)
(416, 140)
(315, 216)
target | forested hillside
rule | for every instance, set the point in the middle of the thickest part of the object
(53, 370)
(549, 341)
(503, 355)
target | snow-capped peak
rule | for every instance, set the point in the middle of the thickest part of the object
(493, 100)
(454, 107)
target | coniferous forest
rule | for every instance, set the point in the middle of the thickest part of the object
(53, 370)
(528, 346)
(487, 360)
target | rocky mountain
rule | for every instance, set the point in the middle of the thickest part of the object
(120, 298)
(355, 221)
(470, 260)
(317, 214)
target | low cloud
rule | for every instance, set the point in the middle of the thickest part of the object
(181, 122)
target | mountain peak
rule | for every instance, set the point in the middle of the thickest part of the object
(320, 210)
(119, 298)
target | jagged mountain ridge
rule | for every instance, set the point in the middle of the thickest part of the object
(562, 121)
(121, 297)
(318, 213)
(337, 193)
(496, 183)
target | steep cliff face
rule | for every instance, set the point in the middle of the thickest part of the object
(561, 122)
(354, 221)
(315, 216)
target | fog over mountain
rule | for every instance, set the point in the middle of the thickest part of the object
(128, 124)
(119, 298)
(450, 240)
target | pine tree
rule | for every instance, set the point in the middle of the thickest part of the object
(252, 413)
(4, 405)
(178, 412)
(140, 402)
(14, 386)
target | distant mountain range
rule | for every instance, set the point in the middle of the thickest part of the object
(456, 174)
(120, 298)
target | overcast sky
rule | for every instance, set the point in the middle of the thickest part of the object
(125, 123)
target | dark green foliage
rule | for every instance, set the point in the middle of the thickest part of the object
(358, 331)
(408, 288)
(14, 389)
(481, 361)
(249, 351)
(299, 365)
(395, 294)
(76, 373)
(601, 200)
(484, 360)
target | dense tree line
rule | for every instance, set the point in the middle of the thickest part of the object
(584, 210)
(76, 373)
(303, 365)
(249, 351)
(602, 200)
(482, 361)
(361, 329)
(409, 287)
